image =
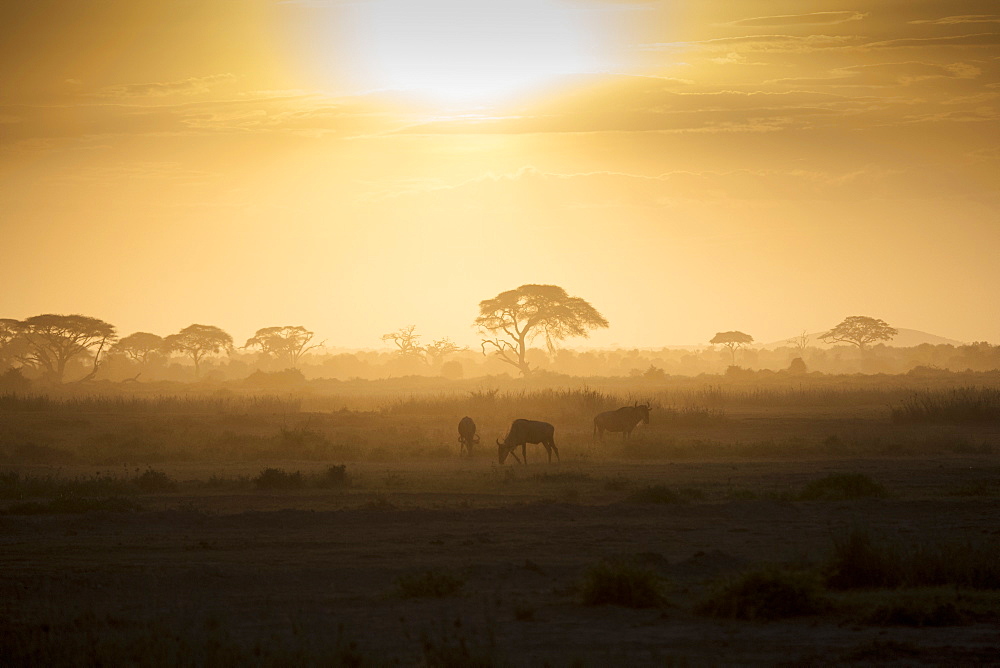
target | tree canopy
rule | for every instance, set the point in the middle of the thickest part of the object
(288, 343)
(197, 341)
(139, 346)
(732, 340)
(516, 317)
(861, 331)
(53, 340)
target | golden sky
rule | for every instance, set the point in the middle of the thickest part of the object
(355, 166)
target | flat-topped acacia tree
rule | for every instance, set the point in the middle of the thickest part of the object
(197, 341)
(732, 340)
(53, 340)
(516, 317)
(860, 331)
(288, 343)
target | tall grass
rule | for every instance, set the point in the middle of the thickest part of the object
(161, 404)
(859, 561)
(956, 406)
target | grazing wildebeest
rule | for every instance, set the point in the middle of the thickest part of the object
(467, 436)
(523, 432)
(624, 420)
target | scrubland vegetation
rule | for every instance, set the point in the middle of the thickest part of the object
(344, 518)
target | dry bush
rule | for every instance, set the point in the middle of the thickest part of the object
(768, 594)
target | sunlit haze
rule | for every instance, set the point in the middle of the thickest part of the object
(356, 167)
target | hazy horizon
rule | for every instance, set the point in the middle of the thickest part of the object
(356, 167)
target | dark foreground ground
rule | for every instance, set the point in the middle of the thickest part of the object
(496, 560)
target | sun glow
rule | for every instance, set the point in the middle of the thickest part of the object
(464, 50)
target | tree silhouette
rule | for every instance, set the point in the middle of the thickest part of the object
(288, 342)
(861, 331)
(800, 342)
(733, 341)
(139, 346)
(406, 342)
(197, 341)
(53, 340)
(516, 317)
(439, 349)
(12, 344)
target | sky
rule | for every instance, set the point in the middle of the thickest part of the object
(356, 166)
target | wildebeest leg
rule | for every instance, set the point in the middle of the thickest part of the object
(524, 452)
(550, 446)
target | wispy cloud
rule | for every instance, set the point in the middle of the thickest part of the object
(956, 20)
(812, 18)
(189, 86)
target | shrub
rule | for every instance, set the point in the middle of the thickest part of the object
(428, 584)
(839, 486)
(765, 595)
(151, 481)
(334, 476)
(271, 478)
(621, 583)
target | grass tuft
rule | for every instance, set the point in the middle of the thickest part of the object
(274, 479)
(655, 494)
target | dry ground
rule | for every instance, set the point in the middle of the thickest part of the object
(231, 574)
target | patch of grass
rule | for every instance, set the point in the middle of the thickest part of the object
(655, 494)
(842, 486)
(455, 647)
(429, 584)
(278, 479)
(860, 562)
(616, 484)
(955, 406)
(621, 583)
(766, 595)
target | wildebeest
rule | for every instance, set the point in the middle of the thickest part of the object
(624, 420)
(467, 436)
(523, 432)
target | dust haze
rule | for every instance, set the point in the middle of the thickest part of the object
(556, 333)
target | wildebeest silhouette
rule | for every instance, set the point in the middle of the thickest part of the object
(467, 436)
(523, 432)
(624, 420)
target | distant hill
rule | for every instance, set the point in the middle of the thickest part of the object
(907, 338)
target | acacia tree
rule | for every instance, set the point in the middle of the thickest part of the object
(860, 331)
(516, 317)
(139, 346)
(406, 341)
(733, 341)
(438, 350)
(197, 341)
(288, 342)
(53, 340)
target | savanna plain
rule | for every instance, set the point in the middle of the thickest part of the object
(802, 523)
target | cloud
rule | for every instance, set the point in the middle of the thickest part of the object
(813, 18)
(190, 86)
(888, 74)
(956, 20)
(761, 43)
(988, 39)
